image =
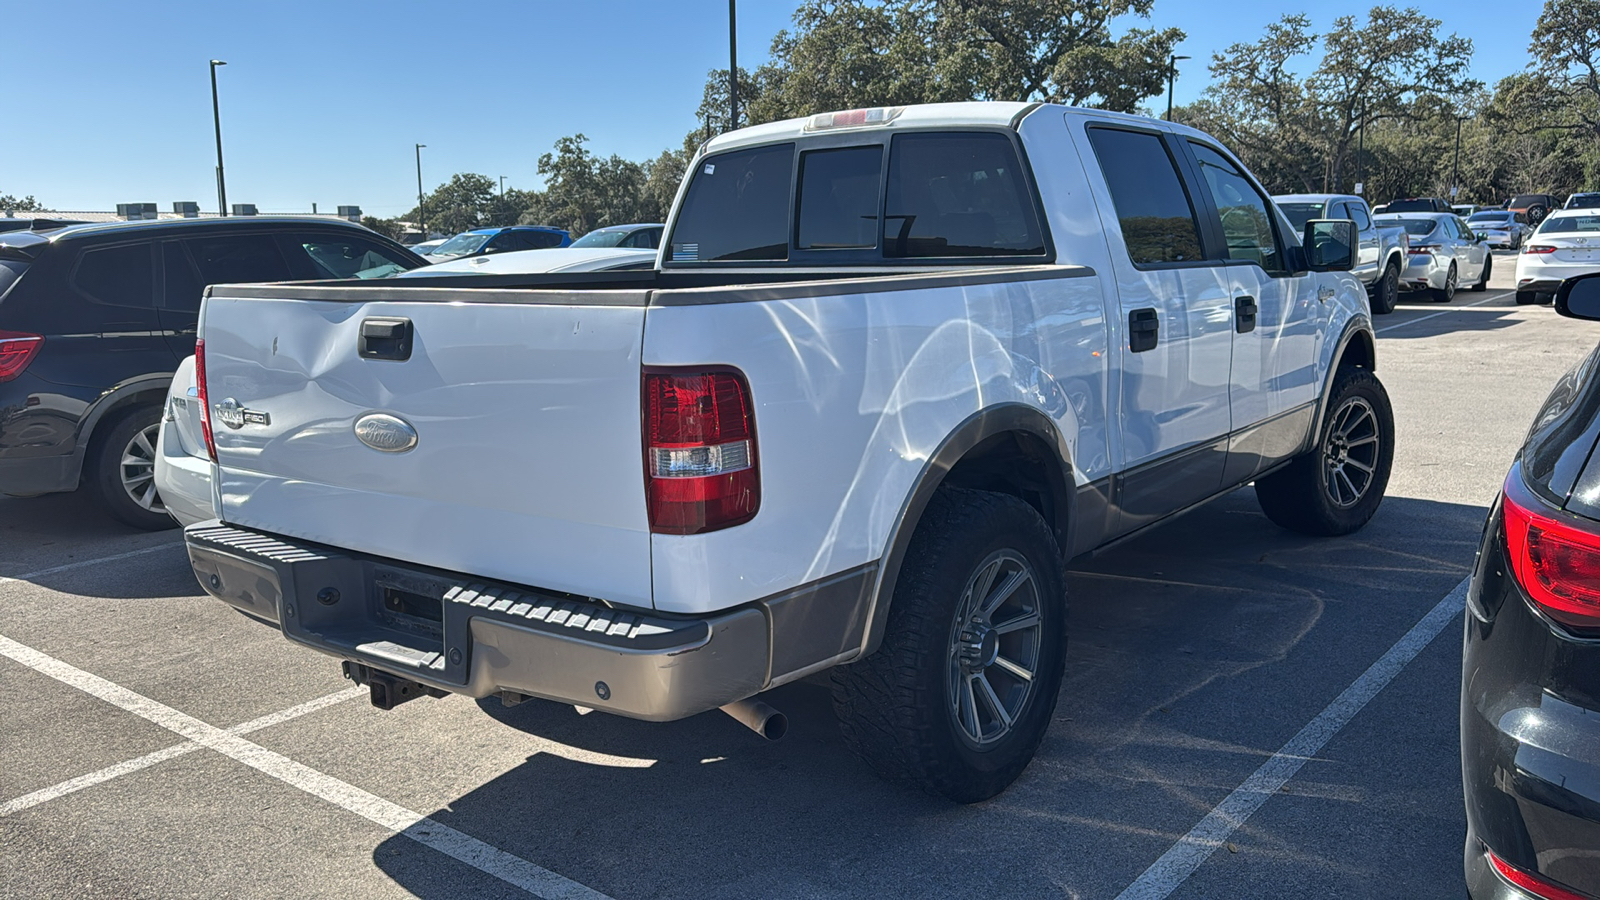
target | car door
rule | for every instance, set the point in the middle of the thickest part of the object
(1370, 250)
(1177, 315)
(503, 242)
(1476, 252)
(1280, 317)
(117, 328)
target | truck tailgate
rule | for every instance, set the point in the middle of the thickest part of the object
(527, 462)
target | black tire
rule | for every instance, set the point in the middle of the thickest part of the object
(1306, 496)
(903, 710)
(1527, 298)
(1483, 280)
(1386, 293)
(104, 469)
(1448, 292)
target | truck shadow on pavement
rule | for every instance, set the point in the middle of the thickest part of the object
(1196, 650)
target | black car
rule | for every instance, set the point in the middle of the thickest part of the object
(94, 319)
(1418, 204)
(1530, 691)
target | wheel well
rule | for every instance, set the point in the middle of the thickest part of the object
(1360, 352)
(1025, 466)
(120, 406)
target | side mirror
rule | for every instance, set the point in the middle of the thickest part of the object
(1579, 297)
(1330, 245)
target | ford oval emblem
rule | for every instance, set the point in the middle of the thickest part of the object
(390, 434)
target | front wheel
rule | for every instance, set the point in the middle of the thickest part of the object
(959, 695)
(1336, 487)
(1448, 292)
(122, 469)
(1387, 292)
(1483, 280)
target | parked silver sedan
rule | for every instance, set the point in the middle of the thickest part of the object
(1444, 254)
(1500, 227)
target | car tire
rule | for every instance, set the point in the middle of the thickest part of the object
(1527, 298)
(1483, 280)
(121, 469)
(1322, 492)
(1386, 293)
(911, 711)
(1448, 292)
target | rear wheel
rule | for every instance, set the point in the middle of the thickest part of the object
(959, 695)
(122, 469)
(1387, 291)
(1448, 292)
(1483, 280)
(1336, 487)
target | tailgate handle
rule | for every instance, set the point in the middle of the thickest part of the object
(385, 337)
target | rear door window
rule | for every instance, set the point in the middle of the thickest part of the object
(838, 198)
(958, 195)
(737, 207)
(1157, 218)
(238, 259)
(1358, 212)
(118, 276)
(539, 240)
(181, 288)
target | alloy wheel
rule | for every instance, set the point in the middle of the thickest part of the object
(138, 469)
(995, 648)
(1350, 454)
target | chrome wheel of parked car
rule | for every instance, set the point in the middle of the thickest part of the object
(138, 469)
(1448, 292)
(1351, 453)
(994, 647)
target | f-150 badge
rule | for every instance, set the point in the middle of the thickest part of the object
(236, 417)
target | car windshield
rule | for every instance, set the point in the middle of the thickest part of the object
(1583, 201)
(461, 244)
(1301, 213)
(605, 238)
(1501, 218)
(1411, 206)
(1415, 227)
(1570, 224)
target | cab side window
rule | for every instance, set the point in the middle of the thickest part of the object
(1157, 218)
(117, 276)
(1246, 218)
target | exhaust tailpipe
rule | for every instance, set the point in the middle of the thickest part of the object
(759, 717)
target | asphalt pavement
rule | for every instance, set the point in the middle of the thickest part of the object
(1246, 713)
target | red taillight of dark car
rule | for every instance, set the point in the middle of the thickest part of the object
(700, 451)
(17, 349)
(1554, 558)
(200, 392)
(1533, 884)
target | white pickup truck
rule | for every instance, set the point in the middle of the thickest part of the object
(893, 370)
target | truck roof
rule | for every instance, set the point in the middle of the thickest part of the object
(925, 115)
(1312, 198)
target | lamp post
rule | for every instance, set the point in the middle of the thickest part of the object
(422, 217)
(502, 185)
(733, 65)
(216, 120)
(1455, 168)
(1172, 75)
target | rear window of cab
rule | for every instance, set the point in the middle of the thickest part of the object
(917, 196)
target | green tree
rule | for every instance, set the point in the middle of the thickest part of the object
(1565, 49)
(464, 202)
(9, 202)
(389, 228)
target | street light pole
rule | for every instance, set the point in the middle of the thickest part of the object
(216, 120)
(1172, 75)
(502, 185)
(422, 217)
(733, 65)
(1455, 169)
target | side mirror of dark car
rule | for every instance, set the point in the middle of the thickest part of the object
(1330, 245)
(1579, 297)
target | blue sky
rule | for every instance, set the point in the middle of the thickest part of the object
(322, 101)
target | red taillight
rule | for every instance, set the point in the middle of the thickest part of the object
(17, 349)
(700, 451)
(1556, 562)
(1423, 248)
(200, 391)
(1533, 884)
(1538, 249)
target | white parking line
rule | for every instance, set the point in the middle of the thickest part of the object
(1184, 857)
(84, 563)
(1443, 312)
(73, 785)
(508, 868)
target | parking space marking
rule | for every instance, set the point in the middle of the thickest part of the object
(1499, 296)
(491, 860)
(73, 785)
(84, 563)
(1183, 858)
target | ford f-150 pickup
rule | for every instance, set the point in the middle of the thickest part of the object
(893, 370)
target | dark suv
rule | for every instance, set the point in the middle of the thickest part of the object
(1418, 204)
(94, 319)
